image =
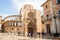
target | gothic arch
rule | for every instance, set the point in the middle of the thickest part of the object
(31, 27)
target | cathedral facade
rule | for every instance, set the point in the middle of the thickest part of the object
(28, 21)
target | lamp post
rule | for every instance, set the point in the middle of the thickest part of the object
(55, 34)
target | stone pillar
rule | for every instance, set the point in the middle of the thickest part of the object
(58, 25)
(26, 30)
(53, 28)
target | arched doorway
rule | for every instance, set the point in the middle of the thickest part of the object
(31, 28)
(2, 28)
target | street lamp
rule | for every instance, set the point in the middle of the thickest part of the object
(55, 34)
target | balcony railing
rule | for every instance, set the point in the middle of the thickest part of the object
(46, 19)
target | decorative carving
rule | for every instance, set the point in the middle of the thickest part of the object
(31, 15)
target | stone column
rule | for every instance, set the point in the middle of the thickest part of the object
(26, 30)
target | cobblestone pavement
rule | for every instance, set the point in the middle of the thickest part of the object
(6, 36)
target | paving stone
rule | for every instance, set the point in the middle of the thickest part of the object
(5, 36)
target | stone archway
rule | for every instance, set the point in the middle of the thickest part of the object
(31, 28)
(2, 28)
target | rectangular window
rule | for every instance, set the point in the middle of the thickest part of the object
(58, 1)
(47, 17)
(59, 13)
(46, 6)
(16, 23)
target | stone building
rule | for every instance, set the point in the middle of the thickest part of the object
(31, 19)
(11, 24)
(51, 8)
(28, 21)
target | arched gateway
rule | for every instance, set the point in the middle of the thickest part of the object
(31, 28)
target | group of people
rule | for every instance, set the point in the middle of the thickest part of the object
(33, 34)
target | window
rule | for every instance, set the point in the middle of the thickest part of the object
(16, 23)
(31, 15)
(59, 13)
(58, 1)
(46, 6)
(47, 16)
(12, 28)
(17, 28)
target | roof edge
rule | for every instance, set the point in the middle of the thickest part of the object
(44, 3)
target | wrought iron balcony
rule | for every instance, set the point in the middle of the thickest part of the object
(46, 19)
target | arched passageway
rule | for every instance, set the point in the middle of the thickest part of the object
(2, 28)
(31, 28)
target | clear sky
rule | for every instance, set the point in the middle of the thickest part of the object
(12, 7)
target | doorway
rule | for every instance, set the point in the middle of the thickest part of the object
(48, 29)
(31, 29)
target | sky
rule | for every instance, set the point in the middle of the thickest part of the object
(12, 7)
